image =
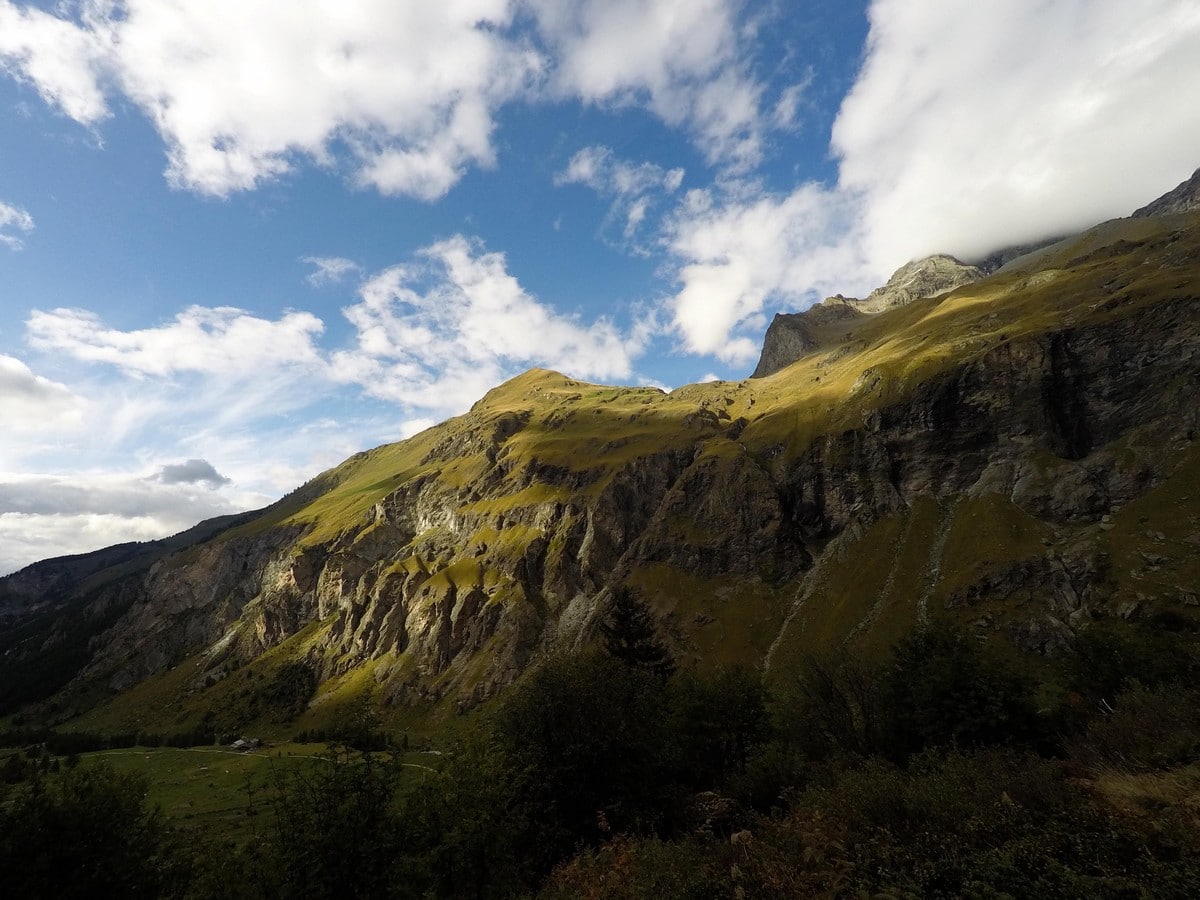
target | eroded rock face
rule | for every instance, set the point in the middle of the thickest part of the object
(496, 544)
(1184, 198)
(1028, 421)
(792, 336)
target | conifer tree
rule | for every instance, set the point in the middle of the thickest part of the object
(630, 635)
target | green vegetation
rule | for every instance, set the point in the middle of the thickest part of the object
(931, 772)
(897, 746)
(630, 635)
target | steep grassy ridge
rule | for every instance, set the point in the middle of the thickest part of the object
(1016, 454)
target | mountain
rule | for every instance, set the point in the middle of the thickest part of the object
(1016, 452)
(1185, 198)
(791, 336)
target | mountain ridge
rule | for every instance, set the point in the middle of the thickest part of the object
(1045, 413)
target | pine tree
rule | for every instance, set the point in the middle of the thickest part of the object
(631, 636)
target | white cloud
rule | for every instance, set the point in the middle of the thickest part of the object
(968, 129)
(739, 252)
(633, 187)
(405, 95)
(786, 113)
(439, 332)
(13, 217)
(81, 512)
(25, 538)
(242, 89)
(598, 168)
(975, 126)
(63, 61)
(30, 402)
(329, 269)
(221, 341)
(685, 60)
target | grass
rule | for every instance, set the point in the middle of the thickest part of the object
(210, 789)
(716, 622)
(531, 455)
(1147, 794)
(989, 532)
(1154, 541)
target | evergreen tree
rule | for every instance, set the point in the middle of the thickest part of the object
(631, 636)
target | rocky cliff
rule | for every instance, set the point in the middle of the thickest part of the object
(794, 335)
(1018, 454)
(1183, 199)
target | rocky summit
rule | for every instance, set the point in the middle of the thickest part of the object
(793, 335)
(1015, 452)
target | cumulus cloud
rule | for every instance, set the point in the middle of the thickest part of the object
(633, 187)
(329, 269)
(32, 402)
(405, 95)
(437, 333)
(25, 539)
(967, 130)
(975, 126)
(431, 335)
(241, 90)
(63, 61)
(216, 340)
(741, 253)
(684, 60)
(13, 218)
(194, 471)
(83, 512)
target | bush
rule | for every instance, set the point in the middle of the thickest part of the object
(831, 706)
(336, 829)
(588, 738)
(719, 723)
(86, 832)
(943, 690)
(1146, 729)
(1109, 657)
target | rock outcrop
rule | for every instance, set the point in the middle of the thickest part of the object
(1184, 198)
(792, 336)
(1021, 458)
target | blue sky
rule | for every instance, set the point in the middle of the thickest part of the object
(241, 240)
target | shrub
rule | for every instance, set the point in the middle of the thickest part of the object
(86, 832)
(942, 689)
(588, 738)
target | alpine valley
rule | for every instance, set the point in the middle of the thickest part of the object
(1011, 446)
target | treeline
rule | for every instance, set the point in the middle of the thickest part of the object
(943, 771)
(62, 743)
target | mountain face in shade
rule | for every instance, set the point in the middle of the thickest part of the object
(1014, 452)
(1185, 198)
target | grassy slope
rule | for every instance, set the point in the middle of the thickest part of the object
(597, 428)
(867, 363)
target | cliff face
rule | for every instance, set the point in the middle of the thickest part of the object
(795, 335)
(1019, 454)
(1183, 199)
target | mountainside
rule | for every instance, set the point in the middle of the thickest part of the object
(1017, 452)
(793, 335)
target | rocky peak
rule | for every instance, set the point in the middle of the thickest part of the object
(791, 336)
(917, 280)
(1184, 198)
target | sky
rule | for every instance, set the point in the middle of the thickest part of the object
(241, 240)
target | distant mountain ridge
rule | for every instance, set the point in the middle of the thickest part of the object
(1014, 452)
(1183, 199)
(793, 335)
(790, 336)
